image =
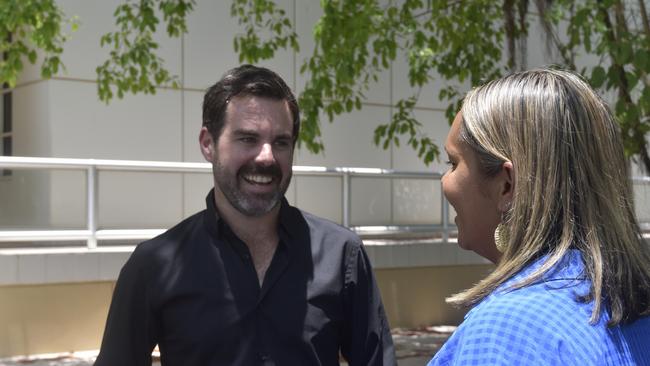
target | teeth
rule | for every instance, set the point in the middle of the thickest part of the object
(262, 179)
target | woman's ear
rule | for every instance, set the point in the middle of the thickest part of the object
(507, 186)
(206, 144)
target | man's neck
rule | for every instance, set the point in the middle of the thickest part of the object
(259, 233)
(247, 228)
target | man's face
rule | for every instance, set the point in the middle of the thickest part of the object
(252, 158)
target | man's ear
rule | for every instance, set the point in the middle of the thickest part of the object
(207, 145)
(507, 186)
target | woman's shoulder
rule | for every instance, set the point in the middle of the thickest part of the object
(550, 303)
(541, 309)
(533, 322)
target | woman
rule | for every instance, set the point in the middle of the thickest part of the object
(540, 185)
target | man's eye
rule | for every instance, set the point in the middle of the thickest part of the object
(282, 143)
(451, 164)
(248, 140)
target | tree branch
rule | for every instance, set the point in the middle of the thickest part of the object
(623, 92)
(551, 36)
(509, 26)
(622, 28)
(644, 18)
(523, 36)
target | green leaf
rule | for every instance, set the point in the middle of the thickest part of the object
(598, 76)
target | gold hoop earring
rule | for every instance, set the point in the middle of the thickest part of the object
(501, 237)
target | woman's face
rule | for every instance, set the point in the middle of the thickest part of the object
(473, 196)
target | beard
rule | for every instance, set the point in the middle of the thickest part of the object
(251, 204)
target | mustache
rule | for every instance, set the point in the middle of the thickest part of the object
(273, 170)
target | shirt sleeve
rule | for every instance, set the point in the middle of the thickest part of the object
(366, 338)
(129, 336)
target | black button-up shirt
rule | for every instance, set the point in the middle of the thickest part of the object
(194, 291)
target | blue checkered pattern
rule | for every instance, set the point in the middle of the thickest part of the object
(543, 324)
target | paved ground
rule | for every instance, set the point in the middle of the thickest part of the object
(412, 346)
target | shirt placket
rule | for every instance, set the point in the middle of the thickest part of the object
(278, 265)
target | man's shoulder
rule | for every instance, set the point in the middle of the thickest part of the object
(171, 240)
(325, 228)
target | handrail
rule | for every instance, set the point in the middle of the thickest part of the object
(93, 166)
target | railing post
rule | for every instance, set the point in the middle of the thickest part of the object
(346, 198)
(445, 216)
(91, 220)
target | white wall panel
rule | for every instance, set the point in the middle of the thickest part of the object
(321, 196)
(371, 201)
(8, 269)
(73, 267)
(83, 53)
(31, 120)
(209, 48)
(196, 188)
(143, 127)
(416, 202)
(24, 200)
(192, 122)
(348, 141)
(67, 207)
(132, 200)
(31, 269)
(24, 197)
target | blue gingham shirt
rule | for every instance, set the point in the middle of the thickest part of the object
(543, 324)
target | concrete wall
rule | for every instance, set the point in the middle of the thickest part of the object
(415, 297)
(51, 318)
(24, 196)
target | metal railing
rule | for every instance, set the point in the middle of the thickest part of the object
(93, 166)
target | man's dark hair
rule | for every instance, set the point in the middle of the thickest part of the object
(243, 81)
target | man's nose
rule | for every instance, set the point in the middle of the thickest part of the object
(265, 155)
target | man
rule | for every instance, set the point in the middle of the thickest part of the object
(250, 280)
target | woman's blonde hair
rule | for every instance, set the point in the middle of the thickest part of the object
(572, 188)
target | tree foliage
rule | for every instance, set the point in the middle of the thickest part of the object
(456, 43)
(133, 64)
(618, 33)
(468, 42)
(27, 27)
